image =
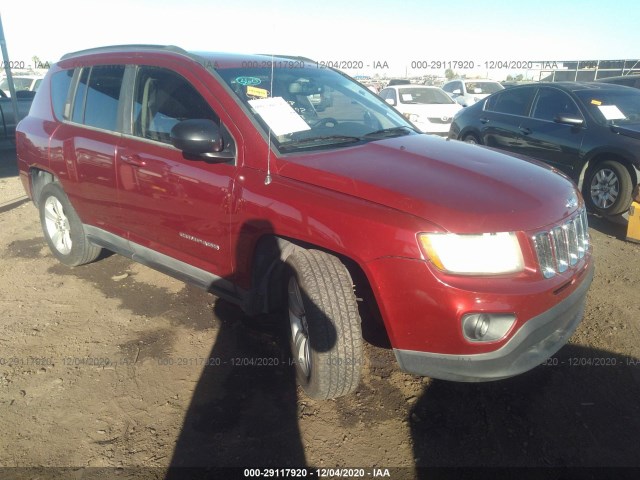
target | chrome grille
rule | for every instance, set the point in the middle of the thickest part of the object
(561, 247)
(440, 120)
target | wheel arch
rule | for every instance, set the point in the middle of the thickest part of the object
(267, 276)
(596, 157)
(39, 178)
(470, 131)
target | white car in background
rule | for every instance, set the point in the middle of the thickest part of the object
(469, 91)
(29, 83)
(428, 108)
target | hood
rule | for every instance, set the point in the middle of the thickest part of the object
(628, 130)
(461, 188)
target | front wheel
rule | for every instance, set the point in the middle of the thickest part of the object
(325, 331)
(608, 188)
(63, 229)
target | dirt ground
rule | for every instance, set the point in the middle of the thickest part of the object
(115, 365)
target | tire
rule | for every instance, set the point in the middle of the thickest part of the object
(63, 229)
(325, 332)
(471, 138)
(607, 189)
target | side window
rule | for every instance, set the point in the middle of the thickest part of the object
(103, 95)
(60, 83)
(384, 94)
(550, 102)
(163, 98)
(80, 95)
(514, 101)
(448, 87)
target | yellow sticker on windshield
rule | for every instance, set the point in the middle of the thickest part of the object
(257, 92)
(596, 102)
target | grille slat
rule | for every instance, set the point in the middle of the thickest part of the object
(563, 245)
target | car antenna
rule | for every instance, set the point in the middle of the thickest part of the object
(267, 179)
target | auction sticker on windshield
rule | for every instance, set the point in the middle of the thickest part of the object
(611, 112)
(279, 116)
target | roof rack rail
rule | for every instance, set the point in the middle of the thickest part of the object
(289, 57)
(124, 48)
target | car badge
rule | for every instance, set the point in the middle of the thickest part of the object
(444, 119)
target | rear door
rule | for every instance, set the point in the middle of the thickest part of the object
(87, 141)
(501, 118)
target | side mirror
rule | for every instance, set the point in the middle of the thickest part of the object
(572, 120)
(391, 102)
(200, 138)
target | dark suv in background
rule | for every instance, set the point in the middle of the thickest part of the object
(590, 131)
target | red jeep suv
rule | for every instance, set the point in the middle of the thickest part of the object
(220, 170)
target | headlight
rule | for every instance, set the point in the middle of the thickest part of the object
(484, 254)
(412, 117)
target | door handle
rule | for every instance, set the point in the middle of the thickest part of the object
(134, 160)
(484, 120)
(525, 130)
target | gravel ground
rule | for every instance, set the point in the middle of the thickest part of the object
(115, 365)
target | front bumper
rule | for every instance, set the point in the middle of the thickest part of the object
(538, 339)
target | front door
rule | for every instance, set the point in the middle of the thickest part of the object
(173, 205)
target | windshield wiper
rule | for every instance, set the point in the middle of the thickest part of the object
(390, 132)
(320, 141)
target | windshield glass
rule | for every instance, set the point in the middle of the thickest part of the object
(614, 107)
(311, 108)
(424, 95)
(483, 88)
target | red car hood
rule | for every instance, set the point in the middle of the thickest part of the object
(462, 188)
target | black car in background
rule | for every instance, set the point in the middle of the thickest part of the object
(626, 80)
(590, 131)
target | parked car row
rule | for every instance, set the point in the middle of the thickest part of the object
(589, 131)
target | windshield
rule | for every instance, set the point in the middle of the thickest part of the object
(424, 95)
(311, 108)
(483, 88)
(613, 107)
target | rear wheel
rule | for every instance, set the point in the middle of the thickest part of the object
(471, 138)
(63, 229)
(608, 188)
(325, 331)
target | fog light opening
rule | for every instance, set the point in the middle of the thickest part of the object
(486, 327)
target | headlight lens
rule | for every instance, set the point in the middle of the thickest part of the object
(483, 254)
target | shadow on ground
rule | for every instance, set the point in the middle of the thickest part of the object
(580, 410)
(8, 165)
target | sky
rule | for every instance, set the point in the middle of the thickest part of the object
(394, 36)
